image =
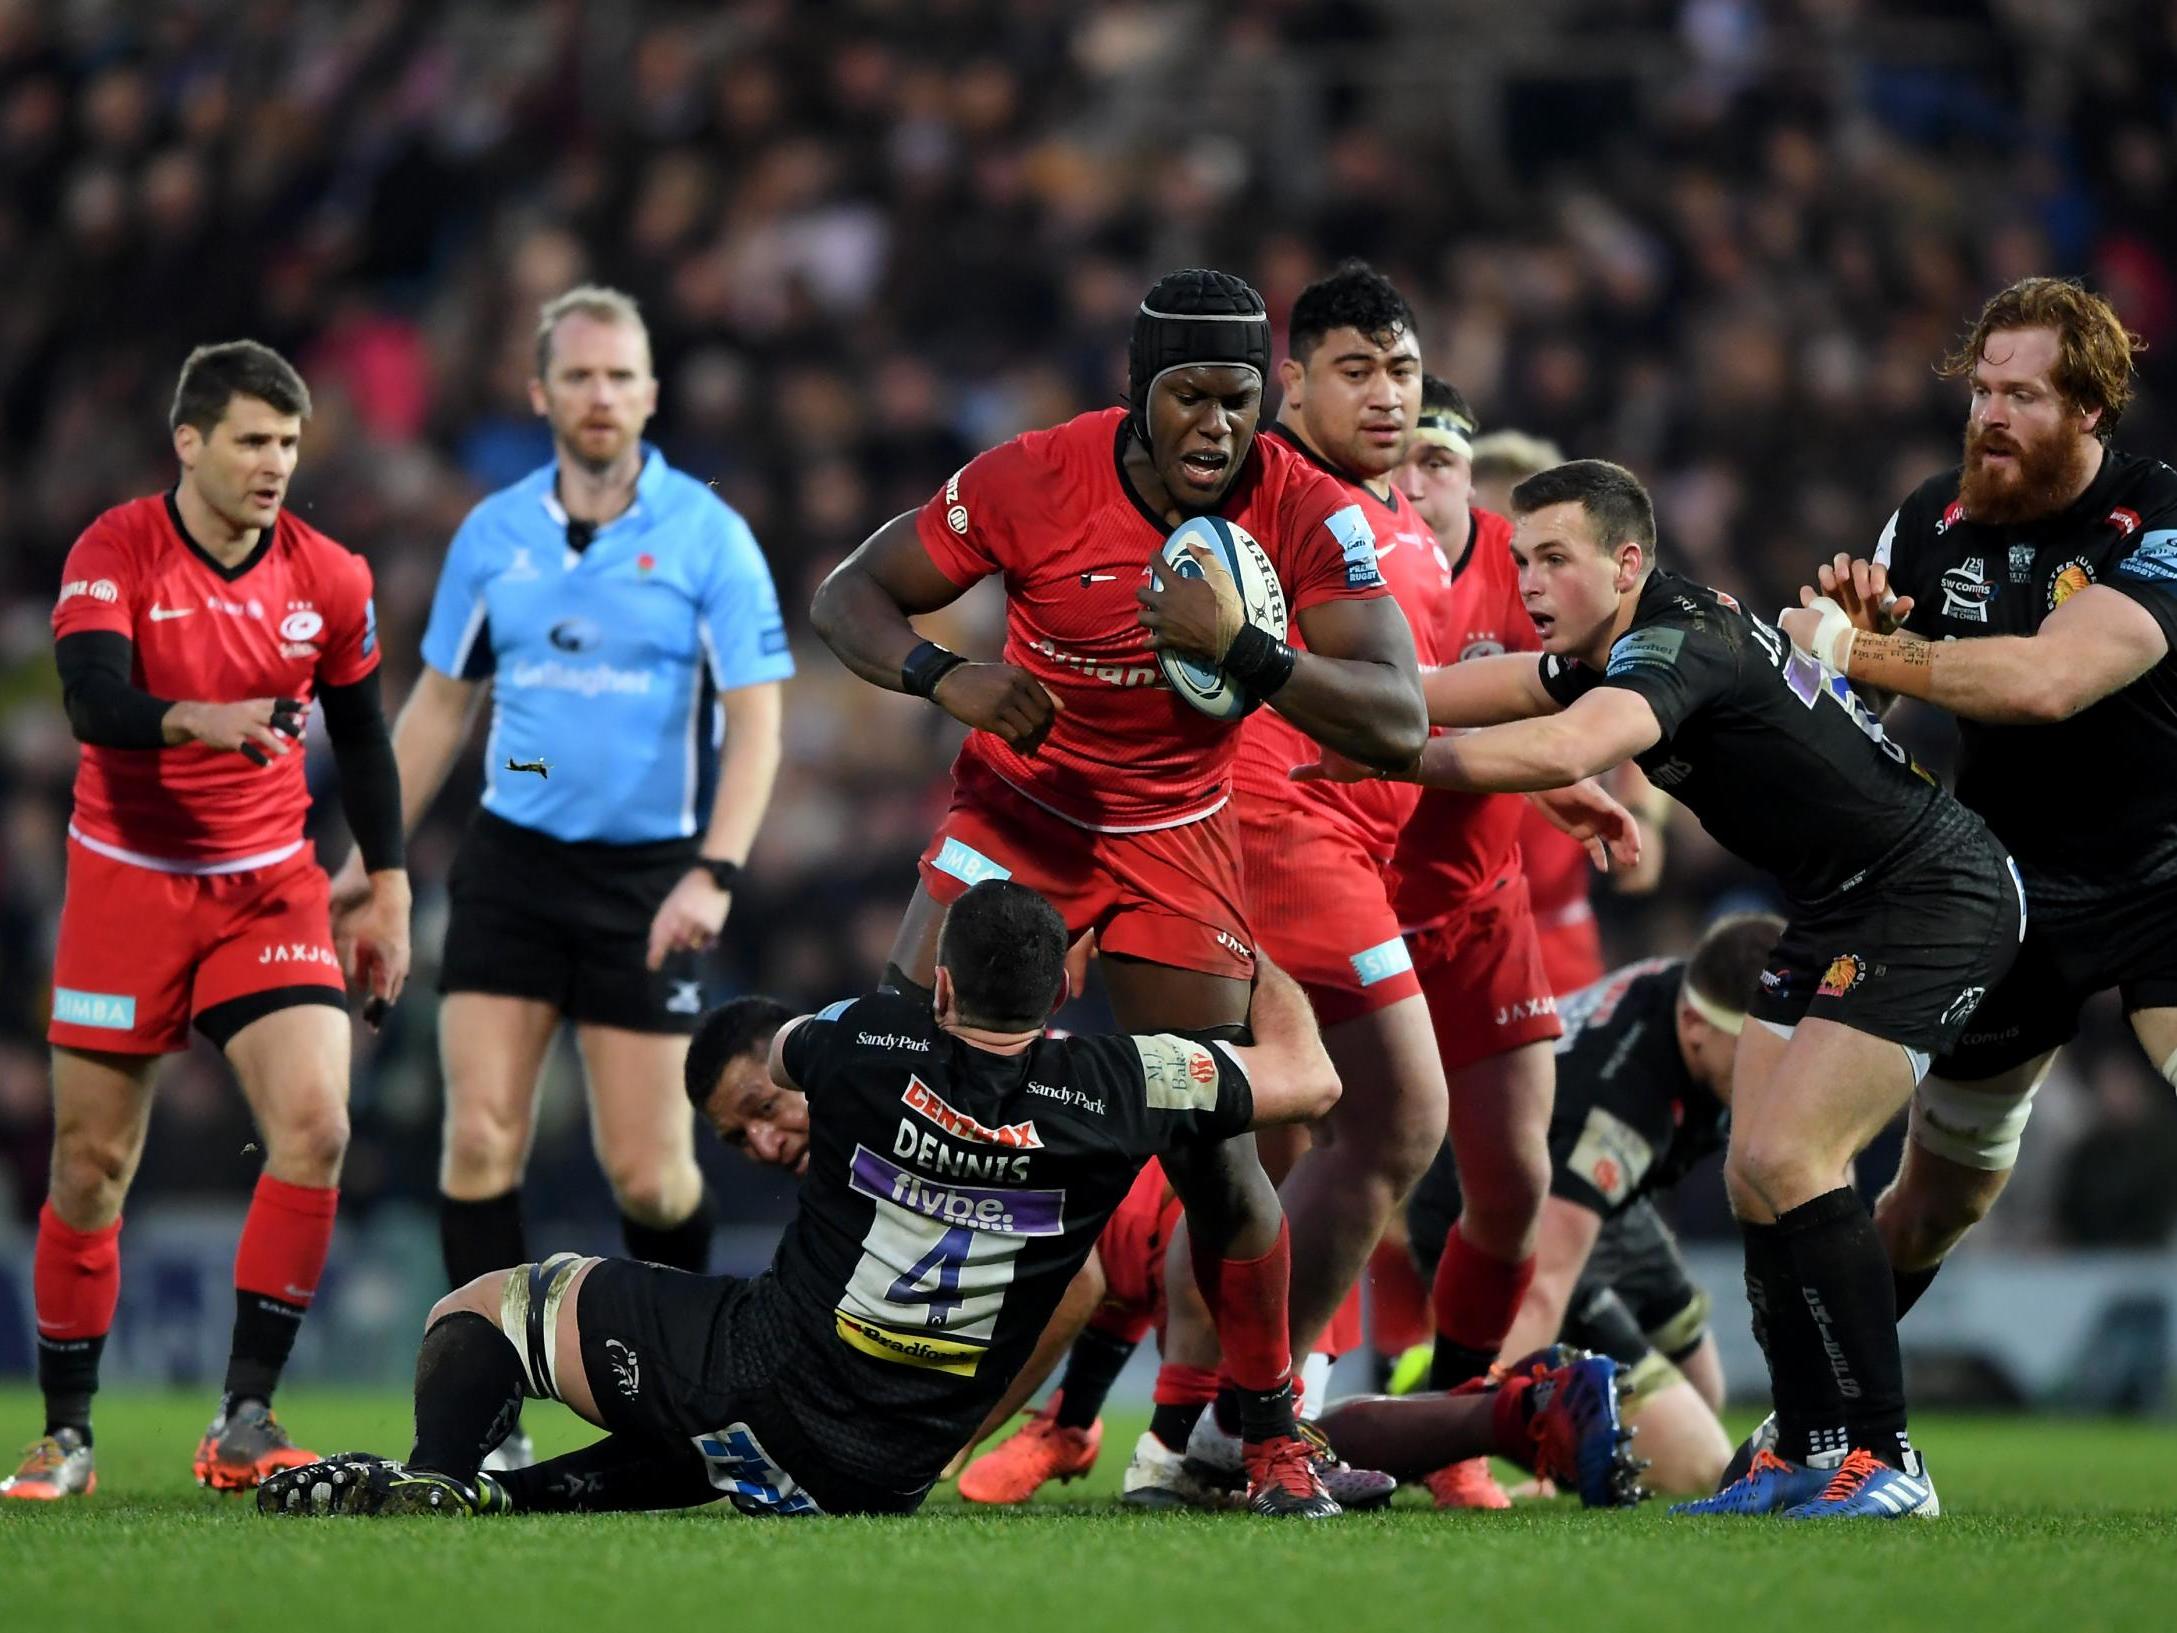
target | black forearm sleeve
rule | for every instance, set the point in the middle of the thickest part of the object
(105, 707)
(370, 779)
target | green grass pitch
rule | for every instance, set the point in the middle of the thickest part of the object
(2051, 1524)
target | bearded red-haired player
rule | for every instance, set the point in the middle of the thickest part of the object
(193, 896)
(1090, 780)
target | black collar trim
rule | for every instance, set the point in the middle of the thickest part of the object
(1299, 445)
(265, 538)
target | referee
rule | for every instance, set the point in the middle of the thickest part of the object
(615, 608)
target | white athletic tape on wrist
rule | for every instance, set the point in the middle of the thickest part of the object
(1720, 1016)
(1832, 640)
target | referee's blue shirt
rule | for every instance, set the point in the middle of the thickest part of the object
(607, 664)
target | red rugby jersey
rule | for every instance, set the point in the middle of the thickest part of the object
(1052, 512)
(1455, 843)
(292, 615)
(1419, 577)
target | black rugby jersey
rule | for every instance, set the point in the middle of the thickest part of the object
(2088, 806)
(951, 1195)
(1776, 755)
(1629, 1120)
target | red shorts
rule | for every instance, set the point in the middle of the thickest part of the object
(1169, 896)
(143, 953)
(1481, 970)
(1572, 945)
(1322, 912)
(1132, 1251)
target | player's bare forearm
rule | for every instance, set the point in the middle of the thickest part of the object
(1519, 758)
(1083, 1294)
(750, 770)
(2087, 649)
(862, 609)
(1487, 691)
(1292, 1074)
(427, 736)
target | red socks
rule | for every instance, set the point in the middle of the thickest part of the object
(76, 1278)
(285, 1238)
(1185, 1386)
(1508, 1421)
(1475, 1297)
(1398, 1305)
(1251, 1304)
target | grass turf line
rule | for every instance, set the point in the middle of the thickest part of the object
(2049, 1522)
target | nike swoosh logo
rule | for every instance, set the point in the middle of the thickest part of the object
(159, 615)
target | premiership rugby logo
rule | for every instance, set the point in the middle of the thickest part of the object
(920, 1097)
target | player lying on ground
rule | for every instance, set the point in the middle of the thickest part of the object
(961, 1164)
(1905, 911)
(1643, 1094)
(2036, 599)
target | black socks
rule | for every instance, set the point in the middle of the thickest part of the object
(1092, 1367)
(469, 1385)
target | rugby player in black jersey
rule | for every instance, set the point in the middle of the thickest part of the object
(1904, 912)
(2035, 598)
(1643, 1094)
(960, 1166)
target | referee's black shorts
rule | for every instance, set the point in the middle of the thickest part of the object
(568, 923)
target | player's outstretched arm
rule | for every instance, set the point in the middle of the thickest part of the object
(2098, 642)
(1487, 691)
(1603, 728)
(1567, 1236)
(861, 612)
(1291, 1073)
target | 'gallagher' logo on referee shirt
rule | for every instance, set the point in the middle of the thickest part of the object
(920, 1097)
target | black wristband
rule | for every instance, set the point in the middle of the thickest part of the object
(928, 664)
(1259, 661)
(724, 874)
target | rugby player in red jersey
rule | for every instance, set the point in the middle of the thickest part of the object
(193, 631)
(1086, 777)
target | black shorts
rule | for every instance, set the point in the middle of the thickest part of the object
(1636, 1264)
(1908, 952)
(2128, 943)
(679, 1357)
(536, 917)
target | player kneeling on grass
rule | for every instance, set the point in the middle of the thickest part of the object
(1643, 1094)
(1905, 910)
(961, 1165)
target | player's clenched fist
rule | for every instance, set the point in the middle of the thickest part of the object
(1008, 702)
(1200, 615)
(258, 728)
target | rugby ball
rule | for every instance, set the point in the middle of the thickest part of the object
(1201, 685)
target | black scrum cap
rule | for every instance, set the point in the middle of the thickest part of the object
(1194, 316)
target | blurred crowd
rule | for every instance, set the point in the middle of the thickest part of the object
(1721, 241)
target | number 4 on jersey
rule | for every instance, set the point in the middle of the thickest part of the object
(944, 1259)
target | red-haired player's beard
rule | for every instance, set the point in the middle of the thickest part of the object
(2039, 480)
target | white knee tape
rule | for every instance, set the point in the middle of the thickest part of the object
(2169, 1068)
(1970, 1126)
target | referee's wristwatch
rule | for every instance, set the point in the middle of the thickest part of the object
(724, 874)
